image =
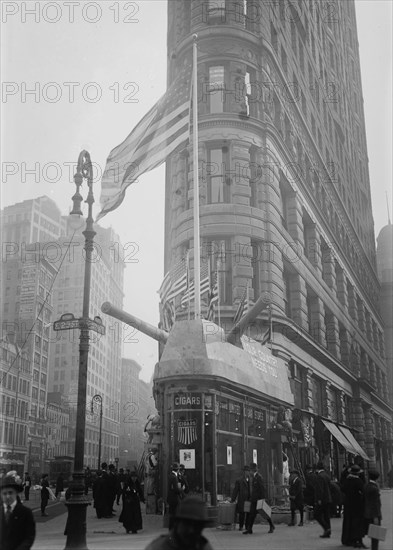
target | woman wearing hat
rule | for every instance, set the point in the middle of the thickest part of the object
(132, 495)
(190, 520)
(353, 529)
(17, 527)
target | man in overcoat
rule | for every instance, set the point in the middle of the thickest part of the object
(296, 496)
(17, 526)
(353, 522)
(323, 499)
(372, 504)
(241, 493)
(257, 491)
(174, 493)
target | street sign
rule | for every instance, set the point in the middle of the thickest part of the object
(68, 322)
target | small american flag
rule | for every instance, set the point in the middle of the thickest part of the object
(161, 131)
(243, 307)
(213, 299)
(175, 282)
(204, 285)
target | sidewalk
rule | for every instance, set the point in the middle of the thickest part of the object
(104, 534)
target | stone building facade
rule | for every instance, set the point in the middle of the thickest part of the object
(285, 205)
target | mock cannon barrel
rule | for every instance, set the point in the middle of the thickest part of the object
(148, 329)
(237, 330)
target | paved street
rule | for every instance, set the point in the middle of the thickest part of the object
(107, 534)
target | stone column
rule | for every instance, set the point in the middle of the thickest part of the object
(308, 397)
(341, 417)
(295, 220)
(239, 176)
(357, 419)
(373, 377)
(345, 345)
(352, 304)
(329, 268)
(369, 444)
(364, 365)
(298, 301)
(369, 329)
(313, 245)
(326, 403)
(317, 321)
(342, 290)
(361, 315)
(332, 335)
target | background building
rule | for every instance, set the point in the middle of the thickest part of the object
(104, 364)
(136, 403)
(15, 398)
(285, 207)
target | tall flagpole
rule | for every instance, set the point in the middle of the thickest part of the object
(188, 284)
(197, 259)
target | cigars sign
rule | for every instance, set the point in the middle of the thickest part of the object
(188, 401)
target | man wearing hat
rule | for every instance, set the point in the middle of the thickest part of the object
(257, 490)
(323, 499)
(353, 522)
(174, 492)
(241, 493)
(17, 527)
(186, 534)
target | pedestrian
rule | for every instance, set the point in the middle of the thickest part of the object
(132, 496)
(59, 484)
(337, 499)
(121, 479)
(257, 492)
(390, 478)
(241, 494)
(309, 491)
(44, 493)
(112, 488)
(99, 496)
(182, 476)
(372, 504)
(27, 485)
(17, 526)
(174, 493)
(353, 528)
(105, 492)
(88, 480)
(296, 497)
(186, 533)
(323, 499)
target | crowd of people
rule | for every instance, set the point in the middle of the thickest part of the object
(359, 499)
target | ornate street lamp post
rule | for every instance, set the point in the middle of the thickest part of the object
(98, 399)
(78, 502)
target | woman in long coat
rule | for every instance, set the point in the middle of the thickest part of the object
(353, 528)
(132, 495)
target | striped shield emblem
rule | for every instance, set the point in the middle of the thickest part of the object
(187, 431)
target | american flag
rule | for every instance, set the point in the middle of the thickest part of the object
(213, 299)
(243, 307)
(175, 282)
(204, 285)
(161, 131)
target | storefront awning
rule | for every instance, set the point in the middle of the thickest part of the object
(337, 434)
(354, 443)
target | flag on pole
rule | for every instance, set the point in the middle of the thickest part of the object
(204, 285)
(175, 282)
(161, 131)
(243, 307)
(267, 337)
(213, 299)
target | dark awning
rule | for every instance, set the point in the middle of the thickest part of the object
(359, 451)
(337, 434)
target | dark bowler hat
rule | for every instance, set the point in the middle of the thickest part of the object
(175, 466)
(246, 468)
(11, 482)
(355, 469)
(192, 509)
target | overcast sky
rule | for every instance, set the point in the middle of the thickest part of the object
(114, 54)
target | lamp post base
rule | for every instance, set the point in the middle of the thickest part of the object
(77, 504)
